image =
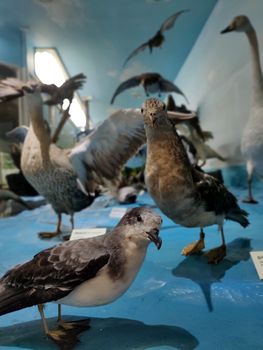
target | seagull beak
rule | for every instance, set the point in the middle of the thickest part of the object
(228, 29)
(177, 117)
(154, 237)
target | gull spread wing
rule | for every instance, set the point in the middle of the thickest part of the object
(168, 86)
(169, 22)
(136, 51)
(127, 84)
(98, 159)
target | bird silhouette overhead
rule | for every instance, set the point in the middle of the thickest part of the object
(158, 39)
(151, 82)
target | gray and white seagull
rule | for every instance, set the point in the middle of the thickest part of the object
(84, 272)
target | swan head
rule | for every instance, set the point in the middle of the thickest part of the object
(238, 24)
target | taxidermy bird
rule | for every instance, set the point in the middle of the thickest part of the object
(252, 139)
(194, 135)
(151, 82)
(85, 272)
(187, 196)
(158, 39)
(12, 88)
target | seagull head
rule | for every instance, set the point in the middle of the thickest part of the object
(238, 24)
(154, 112)
(141, 226)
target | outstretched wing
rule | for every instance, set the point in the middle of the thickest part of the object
(52, 274)
(135, 52)
(168, 86)
(98, 159)
(12, 88)
(169, 22)
(127, 84)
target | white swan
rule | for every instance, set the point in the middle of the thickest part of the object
(252, 140)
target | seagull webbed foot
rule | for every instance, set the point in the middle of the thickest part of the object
(195, 247)
(49, 235)
(216, 255)
(79, 325)
(250, 200)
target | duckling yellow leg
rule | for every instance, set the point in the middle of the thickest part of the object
(195, 247)
(47, 235)
(216, 255)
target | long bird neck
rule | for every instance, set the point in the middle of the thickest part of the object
(166, 138)
(39, 133)
(256, 66)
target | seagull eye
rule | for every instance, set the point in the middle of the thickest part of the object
(164, 107)
(139, 218)
(141, 110)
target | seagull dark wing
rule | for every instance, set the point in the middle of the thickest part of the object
(127, 84)
(52, 274)
(135, 52)
(217, 198)
(98, 159)
(168, 86)
(169, 22)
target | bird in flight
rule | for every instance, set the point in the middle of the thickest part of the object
(158, 39)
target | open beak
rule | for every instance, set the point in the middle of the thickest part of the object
(228, 29)
(154, 237)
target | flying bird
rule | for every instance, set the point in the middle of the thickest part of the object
(158, 39)
(85, 272)
(252, 138)
(187, 196)
(151, 82)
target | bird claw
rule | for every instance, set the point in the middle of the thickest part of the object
(216, 255)
(194, 248)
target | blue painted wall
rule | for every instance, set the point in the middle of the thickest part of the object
(95, 37)
(217, 76)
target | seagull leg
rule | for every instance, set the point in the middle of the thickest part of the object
(217, 254)
(250, 170)
(195, 247)
(55, 335)
(79, 325)
(47, 235)
(67, 237)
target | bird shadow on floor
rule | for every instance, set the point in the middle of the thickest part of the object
(104, 334)
(196, 268)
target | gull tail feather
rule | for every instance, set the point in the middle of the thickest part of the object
(239, 215)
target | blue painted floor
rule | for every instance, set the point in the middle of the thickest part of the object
(175, 302)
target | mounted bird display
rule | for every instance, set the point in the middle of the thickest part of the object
(194, 135)
(151, 83)
(81, 273)
(187, 196)
(158, 39)
(252, 139)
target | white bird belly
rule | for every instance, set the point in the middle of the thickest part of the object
(103, 289)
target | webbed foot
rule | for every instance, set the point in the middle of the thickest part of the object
(250, 200)
(49, 235)
(216, 255)
(195, 247)
(79, 324)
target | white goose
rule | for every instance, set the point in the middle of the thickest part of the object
(252, 140)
